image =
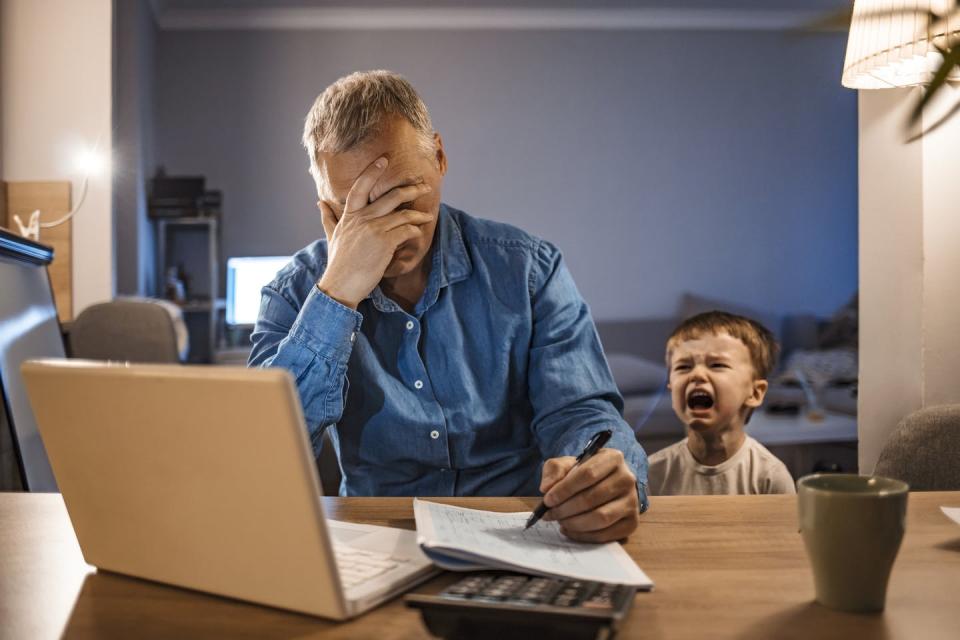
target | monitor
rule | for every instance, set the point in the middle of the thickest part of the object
(28, 329)
(245, 278)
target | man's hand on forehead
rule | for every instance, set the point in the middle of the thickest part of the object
(388, 182)
(374, 192)
(362, 240)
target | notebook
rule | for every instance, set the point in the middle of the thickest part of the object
(461, 539)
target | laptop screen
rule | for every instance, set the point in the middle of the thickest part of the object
(245, 278)
(28, 329)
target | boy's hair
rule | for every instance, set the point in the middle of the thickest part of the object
(759, 341)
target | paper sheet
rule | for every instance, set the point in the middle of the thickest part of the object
(457, 538)
(952, 512)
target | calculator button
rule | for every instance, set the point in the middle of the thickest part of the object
(598, 603)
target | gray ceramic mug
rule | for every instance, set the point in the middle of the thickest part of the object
(852, 527)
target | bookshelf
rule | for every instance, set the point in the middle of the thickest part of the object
(191, 246)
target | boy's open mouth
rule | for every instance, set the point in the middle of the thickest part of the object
(699, 399)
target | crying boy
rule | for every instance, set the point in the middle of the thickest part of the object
(718, 364)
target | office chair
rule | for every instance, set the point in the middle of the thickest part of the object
(153, 331)
(923, 450)
(131, 329)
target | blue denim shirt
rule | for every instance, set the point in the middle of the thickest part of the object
(498, 368)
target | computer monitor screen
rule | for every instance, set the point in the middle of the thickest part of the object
(245, 278)
(28, 329)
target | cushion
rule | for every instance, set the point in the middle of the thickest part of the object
(635, 375)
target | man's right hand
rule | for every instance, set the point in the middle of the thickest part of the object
(361, 243)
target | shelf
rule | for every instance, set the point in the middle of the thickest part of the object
(198, 306)
(196, 221)
(179, 242)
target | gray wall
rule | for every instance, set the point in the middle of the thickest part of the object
(135, 70)
(722, 163)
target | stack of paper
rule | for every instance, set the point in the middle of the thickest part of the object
(460, 539)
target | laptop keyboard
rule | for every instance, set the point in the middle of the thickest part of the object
(356, 566)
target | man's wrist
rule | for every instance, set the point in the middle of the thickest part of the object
(332, 293)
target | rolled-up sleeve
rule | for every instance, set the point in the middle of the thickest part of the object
(571, 389)
(314, 343)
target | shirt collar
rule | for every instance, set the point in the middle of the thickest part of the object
(450, 263)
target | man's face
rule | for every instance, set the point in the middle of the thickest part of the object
(408, 164)
(712, 382)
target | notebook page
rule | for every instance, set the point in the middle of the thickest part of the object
(952, 512)
(501, 539)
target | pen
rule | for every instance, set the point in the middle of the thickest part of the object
(595, 444)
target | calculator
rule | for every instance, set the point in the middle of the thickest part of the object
(500, 605)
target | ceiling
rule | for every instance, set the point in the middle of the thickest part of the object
(491, 14)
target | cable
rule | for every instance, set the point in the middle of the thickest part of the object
(83, 196)
(32, 228)
(639, 424)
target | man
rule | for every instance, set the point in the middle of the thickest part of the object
(451, 355)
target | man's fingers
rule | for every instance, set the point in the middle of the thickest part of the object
(328, 218)
(399, 235)
(611, 487)
(554, 470)
(392, 199)
(603, 515)
(586, 475)
(359, 195)
(617, 531)
(407, 216)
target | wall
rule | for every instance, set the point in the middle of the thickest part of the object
(909, 290)
(134, 61)
(55, 100)
(660, 162)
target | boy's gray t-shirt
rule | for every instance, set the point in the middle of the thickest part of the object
(751, 470)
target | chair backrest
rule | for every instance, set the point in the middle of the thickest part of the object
(924, 450)
(132, 330)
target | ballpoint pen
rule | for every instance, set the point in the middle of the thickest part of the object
(595, 444)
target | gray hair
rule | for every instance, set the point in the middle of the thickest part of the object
(351, 110)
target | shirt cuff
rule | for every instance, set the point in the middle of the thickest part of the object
(326, 327)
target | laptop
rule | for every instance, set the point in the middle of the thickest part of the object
(203, 477)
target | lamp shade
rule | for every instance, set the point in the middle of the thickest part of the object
(894, 44)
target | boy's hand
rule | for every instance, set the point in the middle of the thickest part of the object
(595, 502)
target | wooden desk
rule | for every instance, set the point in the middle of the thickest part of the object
(724, 567)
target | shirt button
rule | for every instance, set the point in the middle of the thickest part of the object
(434, 434)
(409, 325)
(418, 384)
(353, 337)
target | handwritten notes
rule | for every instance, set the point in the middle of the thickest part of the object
(460, 539)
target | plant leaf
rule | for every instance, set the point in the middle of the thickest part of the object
(936, 125)
(951, 59)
